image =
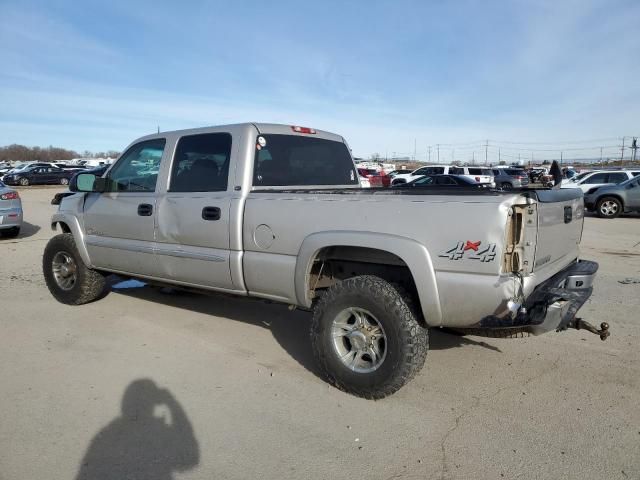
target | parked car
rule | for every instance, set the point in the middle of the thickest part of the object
(377, 178)
(443, 181)
(510, 178)
(599, 178)
(35, 175)
(20, 167)
(281, 216)
(610, 201)
(478, 174)
(10, 212)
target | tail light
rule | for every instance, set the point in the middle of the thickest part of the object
(10, 196)
(478, 179)
(298, 129)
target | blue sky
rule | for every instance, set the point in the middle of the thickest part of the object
(96, 75)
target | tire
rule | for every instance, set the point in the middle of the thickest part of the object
(404, 341)
(64, 181)
(23, 181)
(608, 207)
(506, 186)
(89, 285)
(10, 232)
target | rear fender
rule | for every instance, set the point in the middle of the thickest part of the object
(413, 254)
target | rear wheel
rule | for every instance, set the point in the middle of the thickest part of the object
(10, 232)
(24, 182)
(506, 186)
(609, 207)
(366, 338)
(69, 280)
(64, 181)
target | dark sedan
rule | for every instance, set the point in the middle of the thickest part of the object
(444, 181)
(38, 175)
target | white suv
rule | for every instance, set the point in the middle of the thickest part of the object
(477, 174)
(589, 180)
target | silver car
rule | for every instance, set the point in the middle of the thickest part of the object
(10, 212)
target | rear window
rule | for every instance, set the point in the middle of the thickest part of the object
(514, 172)
(282, 160)
(478, 171)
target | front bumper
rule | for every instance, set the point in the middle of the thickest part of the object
(553, 305)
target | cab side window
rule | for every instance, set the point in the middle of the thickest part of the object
(617, 177)
(137, 170)
(201, 163)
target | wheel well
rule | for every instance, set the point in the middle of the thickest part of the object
(337, 263)
(63, 226)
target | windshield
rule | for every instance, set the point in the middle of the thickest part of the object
(282, 160)
(579, 177)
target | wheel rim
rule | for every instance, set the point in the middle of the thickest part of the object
(359, 340)
(506, 186)
(608, 208)
(64, 181)
(24, 181)
(65, 271)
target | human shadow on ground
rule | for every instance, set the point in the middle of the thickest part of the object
(151, 440)
(290, 329)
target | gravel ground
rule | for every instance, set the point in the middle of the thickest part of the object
(224, 388)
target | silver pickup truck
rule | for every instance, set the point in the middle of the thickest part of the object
(276, 212)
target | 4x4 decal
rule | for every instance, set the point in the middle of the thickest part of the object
(485, 253)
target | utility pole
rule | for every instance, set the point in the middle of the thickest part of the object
(158, 128)
(473, 158)
(499, 158)
(486, 151)
(453, 152)
(438, 145)
(560, 158)
(600, 154)
(518, 159)
(622, 154)
(634, 147)
(429, 153)
(414, 149)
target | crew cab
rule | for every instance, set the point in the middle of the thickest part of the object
(276, 212)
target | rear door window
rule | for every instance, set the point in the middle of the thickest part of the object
(617, 177)
(282, 160)
(201, 163)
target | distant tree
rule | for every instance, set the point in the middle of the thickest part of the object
(546, 162)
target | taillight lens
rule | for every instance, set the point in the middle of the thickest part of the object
(297, 129)
(478, 179)
(10, 196)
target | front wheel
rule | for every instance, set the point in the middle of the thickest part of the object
(609, 207)
(69, 280)
(506, 186)
(366, 338)
(24, 182)
(64, 181)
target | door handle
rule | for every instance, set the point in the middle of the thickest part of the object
(145, 210)
(211, 213)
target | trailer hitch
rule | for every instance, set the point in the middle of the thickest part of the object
(580, 324)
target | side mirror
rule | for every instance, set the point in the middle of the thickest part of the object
(87, 182)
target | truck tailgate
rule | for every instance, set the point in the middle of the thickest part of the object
(560, 219)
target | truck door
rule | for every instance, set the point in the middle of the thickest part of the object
(192, 230)
(120, 222)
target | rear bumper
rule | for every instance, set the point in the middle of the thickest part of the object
(553, 305)
(10, 217)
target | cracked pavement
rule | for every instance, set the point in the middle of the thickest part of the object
(557, 406)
